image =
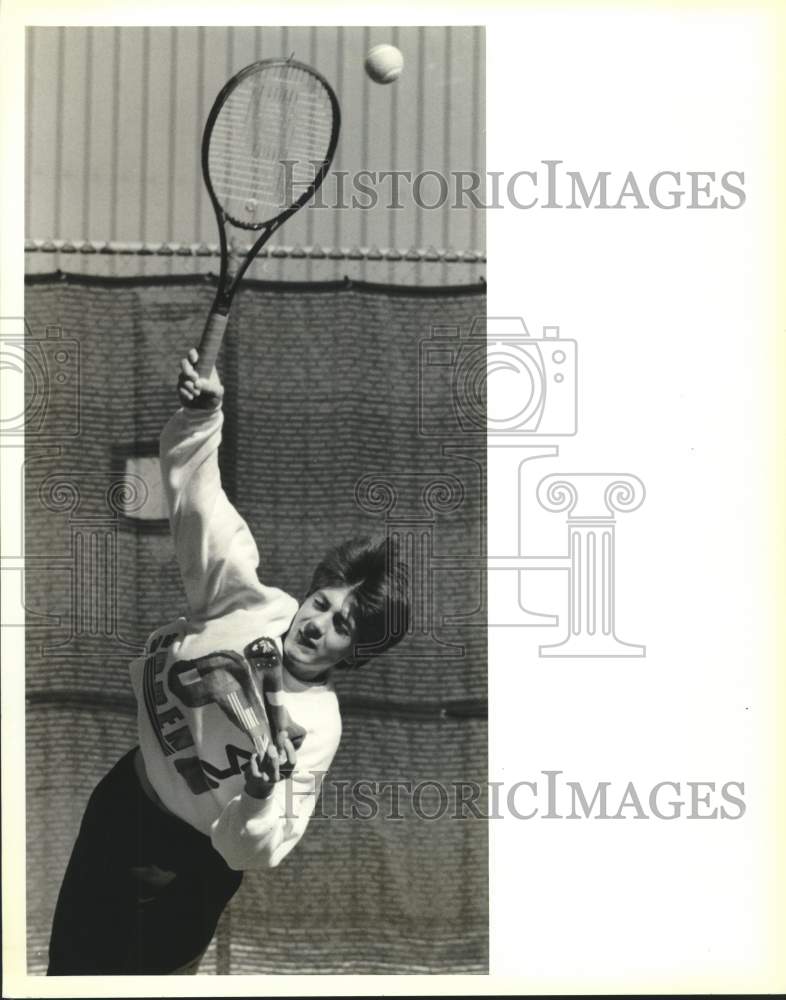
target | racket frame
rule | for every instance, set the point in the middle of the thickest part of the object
(230, 276)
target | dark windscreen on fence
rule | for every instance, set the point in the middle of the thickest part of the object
(341, 419)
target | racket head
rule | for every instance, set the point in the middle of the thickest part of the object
(269, 141)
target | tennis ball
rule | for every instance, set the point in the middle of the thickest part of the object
(384, 63)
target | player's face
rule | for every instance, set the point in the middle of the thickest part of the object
(322, 632)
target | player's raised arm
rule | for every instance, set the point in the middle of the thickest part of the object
(196, 392)
(215, 550)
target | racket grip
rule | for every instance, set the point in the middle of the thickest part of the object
(210, 344)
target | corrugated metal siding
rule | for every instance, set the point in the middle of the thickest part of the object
(115, 117)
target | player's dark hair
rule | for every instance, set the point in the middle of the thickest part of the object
(381, 592)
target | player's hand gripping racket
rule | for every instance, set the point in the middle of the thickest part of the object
(286, 735)
(249, 691)
(268, 143)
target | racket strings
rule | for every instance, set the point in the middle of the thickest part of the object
(268, 143)
(244, 712)
(249, 720)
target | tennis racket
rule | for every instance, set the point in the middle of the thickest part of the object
(265, 660)
(225, 679)
(249, 691)
(267, 146)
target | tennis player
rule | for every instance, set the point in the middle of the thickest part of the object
(168, 832)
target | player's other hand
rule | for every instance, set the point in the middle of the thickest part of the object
(196, 392)
(288, 741)
(261, 776)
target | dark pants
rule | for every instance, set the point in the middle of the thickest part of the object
(143, 890)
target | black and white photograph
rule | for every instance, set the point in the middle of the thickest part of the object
(255, 529)
(391, 546)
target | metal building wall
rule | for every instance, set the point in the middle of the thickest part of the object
(114, 122)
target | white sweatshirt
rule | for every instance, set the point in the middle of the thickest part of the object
(193, 752)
